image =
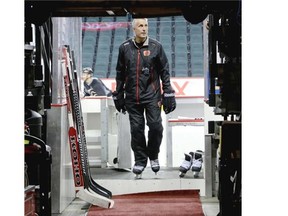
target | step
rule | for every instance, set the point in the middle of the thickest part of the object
(93, 135)
(123, 181)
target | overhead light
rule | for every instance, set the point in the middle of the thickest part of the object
(110, 12)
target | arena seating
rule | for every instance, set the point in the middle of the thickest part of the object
(182, 42)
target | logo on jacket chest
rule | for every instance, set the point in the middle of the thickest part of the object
(146, 52)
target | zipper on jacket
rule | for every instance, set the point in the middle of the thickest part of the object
(137, 76)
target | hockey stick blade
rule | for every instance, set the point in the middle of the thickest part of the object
(95, 199)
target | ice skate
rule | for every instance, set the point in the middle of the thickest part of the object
(155, 165)
(138, 169)
(186, 164)
(197, 163)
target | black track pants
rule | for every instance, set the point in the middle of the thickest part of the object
(142, 150)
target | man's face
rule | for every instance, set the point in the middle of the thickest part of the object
(85, 76)
(141, 29)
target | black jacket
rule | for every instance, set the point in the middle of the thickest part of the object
(139, 70)
(98, 87)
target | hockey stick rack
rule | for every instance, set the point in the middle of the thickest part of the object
(86, 188)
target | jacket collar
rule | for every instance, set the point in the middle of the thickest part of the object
(146, 42)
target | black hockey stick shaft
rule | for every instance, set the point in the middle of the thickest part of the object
(77, 164)
(73, 123)
(75, 80)
(76, 106)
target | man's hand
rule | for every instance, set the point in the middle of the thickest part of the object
(168, 101)
(119, 101)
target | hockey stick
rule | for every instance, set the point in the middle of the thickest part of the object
(71, 107)
(72, 137)
(78, 122)
(77, 156)
(81, 122)
(79, 119)
(77, 164)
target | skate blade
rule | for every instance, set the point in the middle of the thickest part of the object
(196, 174)
(138, 176)
(181, 174)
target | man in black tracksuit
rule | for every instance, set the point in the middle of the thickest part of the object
(141, 64)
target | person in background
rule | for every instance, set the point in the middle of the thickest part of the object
(92, 85)
(141, 64)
